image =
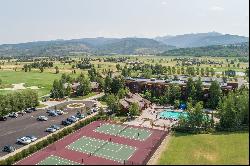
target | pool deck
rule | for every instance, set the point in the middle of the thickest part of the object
(149, 115)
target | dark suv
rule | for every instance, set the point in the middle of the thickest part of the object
(3, 118)
(8, 148)
(66, 122)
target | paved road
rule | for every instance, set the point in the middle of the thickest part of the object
(13, 128)
(53, 103)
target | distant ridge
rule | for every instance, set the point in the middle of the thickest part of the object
(111, 46)
(98, 46)
(230, 50)
(201, 39)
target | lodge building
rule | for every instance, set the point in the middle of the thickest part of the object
(138, 85)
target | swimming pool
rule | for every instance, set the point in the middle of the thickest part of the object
(172, 114)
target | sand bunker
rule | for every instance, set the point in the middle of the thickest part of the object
(20, 87)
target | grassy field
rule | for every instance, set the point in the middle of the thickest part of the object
(85, 97)
(41, 80)
(217, 148)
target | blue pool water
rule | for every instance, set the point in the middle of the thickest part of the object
(172, 114)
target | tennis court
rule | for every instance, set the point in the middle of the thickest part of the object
(55, 160)
(124, 131)
(102, 148)
(100, 143)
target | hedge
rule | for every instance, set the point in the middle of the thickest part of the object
(44, 143)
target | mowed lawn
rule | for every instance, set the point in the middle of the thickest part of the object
(217, 148)
(34, 78)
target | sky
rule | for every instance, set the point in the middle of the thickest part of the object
(37, 20)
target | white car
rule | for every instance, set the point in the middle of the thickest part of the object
(32, 138)
(24, 140)
(59, 112)
(50, 129)
(42, 118)
(75, 118)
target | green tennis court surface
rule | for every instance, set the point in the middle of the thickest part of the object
(104, 149)
(124, 131)
(55, 160)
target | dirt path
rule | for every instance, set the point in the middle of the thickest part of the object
(155, 158)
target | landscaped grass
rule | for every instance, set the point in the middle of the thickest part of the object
(217, 148)
(34, 78)
(103, 102)
(85, 97)
(41, 105)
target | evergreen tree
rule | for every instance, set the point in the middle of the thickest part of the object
(214, 95)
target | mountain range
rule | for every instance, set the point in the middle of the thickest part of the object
(230, 50)
(110, 46)
(201, 39)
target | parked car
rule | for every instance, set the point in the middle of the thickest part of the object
(55, 127)
(21, 112)
(71, 120)
(8, 148)
(94, 110)
(50, 111)
(33, 108)
(13, 115)
(53, 114)
(24, 140)
(42, 118)
(74, 117)
(32, 138)
(66, 122)
(89, 112)
(59, 112)
(28, 110)
(51, 130)
(3, 118)
(80, 116)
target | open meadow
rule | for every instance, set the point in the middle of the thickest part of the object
(217, 148)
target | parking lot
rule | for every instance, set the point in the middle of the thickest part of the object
(28, 124)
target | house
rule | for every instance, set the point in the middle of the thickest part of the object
(134, 98)
(74, 86)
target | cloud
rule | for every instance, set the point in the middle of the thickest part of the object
(216, 8)
(163, 2)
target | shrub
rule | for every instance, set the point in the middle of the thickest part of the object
(39, 145)
(10, 160)
(17, 157)
(45, 143)
(65, 132)
(60, 134)
(32, 148)
(3, 162)
(70, 130)
(50, 139)
(55, 137)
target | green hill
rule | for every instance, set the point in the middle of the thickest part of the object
(232, 50)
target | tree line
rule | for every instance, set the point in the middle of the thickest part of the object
(62, 88)
(18, 101)
(160, 71)
(232, 112)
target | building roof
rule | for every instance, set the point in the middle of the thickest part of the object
(133, 98)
